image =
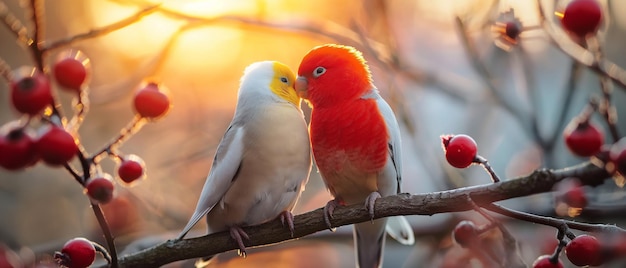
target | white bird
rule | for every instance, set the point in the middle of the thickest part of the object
(263, 161)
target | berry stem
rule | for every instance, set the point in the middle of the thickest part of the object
(485, 164)
(74, 173)
(80, 110)
(509, 241)
(85, 165)
(554, 258)
(132, 127)
(103, 251)
(560, 236)
(106, 231)
(606, 109)
(531, 28)
(36, 18)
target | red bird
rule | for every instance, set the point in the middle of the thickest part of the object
(355, 140)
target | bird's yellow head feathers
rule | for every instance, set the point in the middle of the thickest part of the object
(283, 83)
(260, 76)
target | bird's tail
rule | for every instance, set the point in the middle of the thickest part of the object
(369, 240)
(399, 228)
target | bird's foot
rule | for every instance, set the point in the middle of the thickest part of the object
(287, 217)
(238, 235)
(370, 201)
(328, 213)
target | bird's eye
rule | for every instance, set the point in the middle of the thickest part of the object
(319, 71)
(284, 79)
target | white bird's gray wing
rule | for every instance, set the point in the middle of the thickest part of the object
(226, 163)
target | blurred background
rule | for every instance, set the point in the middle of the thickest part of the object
(424, 56)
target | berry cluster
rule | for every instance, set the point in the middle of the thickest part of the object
(55, 144)
(45, 135)
(583, 137)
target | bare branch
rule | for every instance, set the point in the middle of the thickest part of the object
(5, 70)
(403, 204)
(14, 25)
(100, 31)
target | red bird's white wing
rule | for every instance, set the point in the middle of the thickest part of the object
(397, 227)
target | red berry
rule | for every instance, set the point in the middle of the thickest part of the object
(30, 93)
(617, 246)
(512, 29)
(70, 73)
(572, 193)
(56, 146)
(131, 169)
(544, 262)
(150, 102)
(100, 189)
(77, 253)
(584, 250)
(582, 17)
(460, 150)
(583, 138)
(17, 150)
(465, 233)
(575, 197)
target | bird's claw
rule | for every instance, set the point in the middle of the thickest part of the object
(238, 235)
(287, 216)
(328, 213)
(370, 201)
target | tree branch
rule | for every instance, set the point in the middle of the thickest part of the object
(403, 204)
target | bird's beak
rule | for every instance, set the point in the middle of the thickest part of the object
(301, 87)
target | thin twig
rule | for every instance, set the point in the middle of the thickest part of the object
(133, 126)
(81, 107)
(108, 236)
(74, 173)
(510, 243)
(606, 108)
(557, 223)
(5, 70)
(14, 25)
(103, 251)
(101, 31)
(38, 33)
(485, 164)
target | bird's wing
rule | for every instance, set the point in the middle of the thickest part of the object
(225, 167)
(397, 227)
(395, 144)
